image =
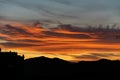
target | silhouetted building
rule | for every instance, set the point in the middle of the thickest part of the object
(11, 65)
(0, 49)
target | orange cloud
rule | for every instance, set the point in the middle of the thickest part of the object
(58, 41)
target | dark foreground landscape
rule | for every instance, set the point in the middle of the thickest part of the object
(14, 67)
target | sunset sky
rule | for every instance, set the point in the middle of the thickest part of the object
(74, 42)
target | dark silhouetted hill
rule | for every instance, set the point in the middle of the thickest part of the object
(14, 67)
(42, 68)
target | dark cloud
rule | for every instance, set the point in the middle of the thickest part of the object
(105, 54)
(95, 56)
(55, 34)
(3, 38)
(102, 49)
(70, 27)
(30, 41)
(13, 29)
(112, 40)
(14, 45)
(89, 57)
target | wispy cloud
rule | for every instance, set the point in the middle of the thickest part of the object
(72, 11)
(60, 41)
(96, 56)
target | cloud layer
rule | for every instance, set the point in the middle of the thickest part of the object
(64, 39)
(68, 41)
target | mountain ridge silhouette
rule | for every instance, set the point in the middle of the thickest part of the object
(54, 68)
(43, 68)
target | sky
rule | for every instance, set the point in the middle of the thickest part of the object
(17, 32)
(66, 11)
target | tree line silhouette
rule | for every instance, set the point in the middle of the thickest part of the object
(15, 67)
